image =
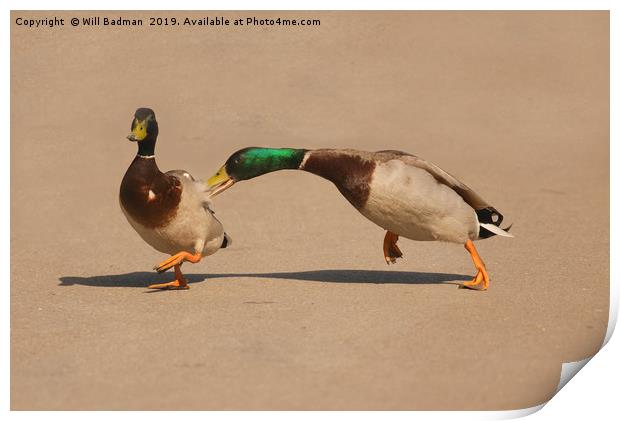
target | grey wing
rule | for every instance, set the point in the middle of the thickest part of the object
(443, 177)
(485, 212)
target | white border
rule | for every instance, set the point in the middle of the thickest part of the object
(596, 385)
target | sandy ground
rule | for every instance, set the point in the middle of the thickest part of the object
(302, 312)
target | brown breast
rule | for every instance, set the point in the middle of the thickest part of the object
(149, 196)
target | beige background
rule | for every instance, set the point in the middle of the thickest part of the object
(302, 312)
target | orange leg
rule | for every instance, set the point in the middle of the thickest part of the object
(179, 281)
(391, 252)
(177, 259)
(481, 277)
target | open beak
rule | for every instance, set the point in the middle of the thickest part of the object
(219, 182)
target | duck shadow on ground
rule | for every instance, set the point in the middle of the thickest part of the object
(143, 279)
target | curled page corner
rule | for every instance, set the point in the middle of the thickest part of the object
(569, 370)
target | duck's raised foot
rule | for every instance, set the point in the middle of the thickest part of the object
(176, 260)
(391, 252)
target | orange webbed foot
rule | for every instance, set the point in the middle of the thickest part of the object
(179, 282)
(177, 259)
(391, 252)
(480, 282)
(176, 284)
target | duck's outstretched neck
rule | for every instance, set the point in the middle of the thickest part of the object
(274, 159)
(253, 162)
(351, 171)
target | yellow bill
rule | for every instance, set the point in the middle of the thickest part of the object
(220, 182)
(138, 132)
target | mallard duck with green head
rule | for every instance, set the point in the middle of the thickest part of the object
(402, 193)
(170, 211)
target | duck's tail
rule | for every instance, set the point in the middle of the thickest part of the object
(489, 220)
(226, 242)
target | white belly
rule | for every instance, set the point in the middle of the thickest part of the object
(409, 202)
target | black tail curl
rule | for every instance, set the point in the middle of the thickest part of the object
(489, 215)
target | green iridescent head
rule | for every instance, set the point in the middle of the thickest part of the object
(248, 163)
